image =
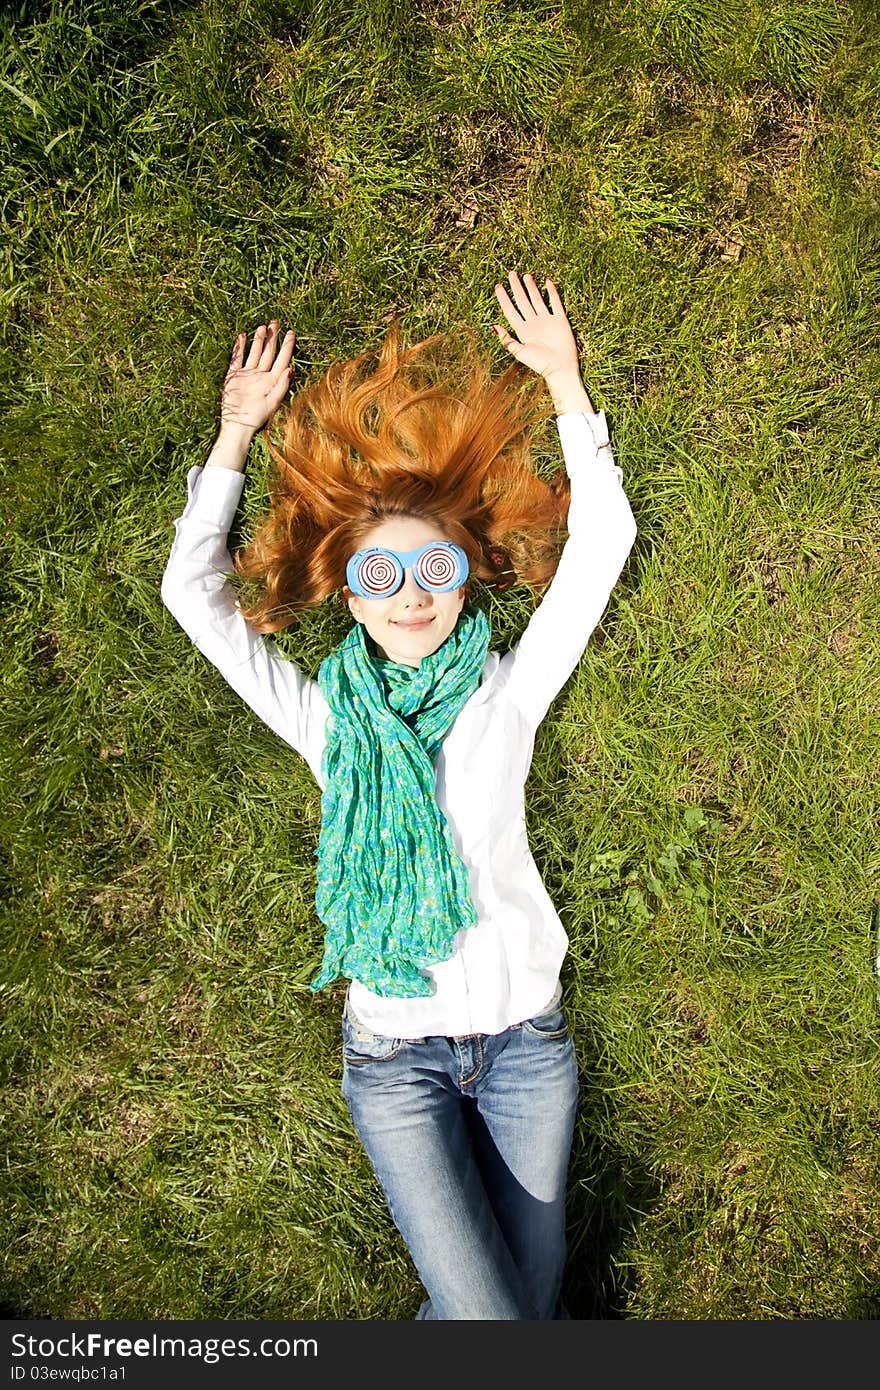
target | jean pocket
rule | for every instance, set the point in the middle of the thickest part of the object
(360, 1046)
(552, 1026)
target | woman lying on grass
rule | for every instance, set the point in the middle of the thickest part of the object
(458, 1067)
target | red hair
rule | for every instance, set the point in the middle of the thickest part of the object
(361, 446)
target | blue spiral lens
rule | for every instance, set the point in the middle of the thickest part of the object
(379, 574)
(437, 567)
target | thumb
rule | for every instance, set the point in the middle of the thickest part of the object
(279, 391)
(271, 404)
(512, 344)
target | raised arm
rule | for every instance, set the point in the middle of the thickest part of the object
(194, 586)
(601, 525)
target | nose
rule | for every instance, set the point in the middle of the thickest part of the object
(410, 590)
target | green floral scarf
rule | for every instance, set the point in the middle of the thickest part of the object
(392, 889)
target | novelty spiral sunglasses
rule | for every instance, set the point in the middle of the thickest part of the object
(377, 573)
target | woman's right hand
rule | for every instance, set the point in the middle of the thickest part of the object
(253, 390)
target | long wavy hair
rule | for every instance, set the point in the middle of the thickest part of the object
(361, 446)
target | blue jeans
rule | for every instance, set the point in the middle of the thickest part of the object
(470, 1139)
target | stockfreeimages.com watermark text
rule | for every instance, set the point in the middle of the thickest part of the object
(96, 1345)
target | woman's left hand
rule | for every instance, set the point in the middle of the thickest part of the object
(544, 340)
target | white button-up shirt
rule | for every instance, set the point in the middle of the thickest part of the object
(506, 967)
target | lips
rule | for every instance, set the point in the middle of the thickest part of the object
(415, 627)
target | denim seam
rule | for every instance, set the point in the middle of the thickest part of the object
(466, 1080)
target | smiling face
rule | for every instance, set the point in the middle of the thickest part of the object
(385, 618)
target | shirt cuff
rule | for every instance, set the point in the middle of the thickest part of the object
(570, 427)
(214, 493)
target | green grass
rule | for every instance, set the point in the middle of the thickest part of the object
(701, 179)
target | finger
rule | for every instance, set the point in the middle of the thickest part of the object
(285, 352)
(253, 356)
(268, 352)
(237, 353)
(522, 300)
(535, 296)
(509, 342)
(513, 316)
(553, 295)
